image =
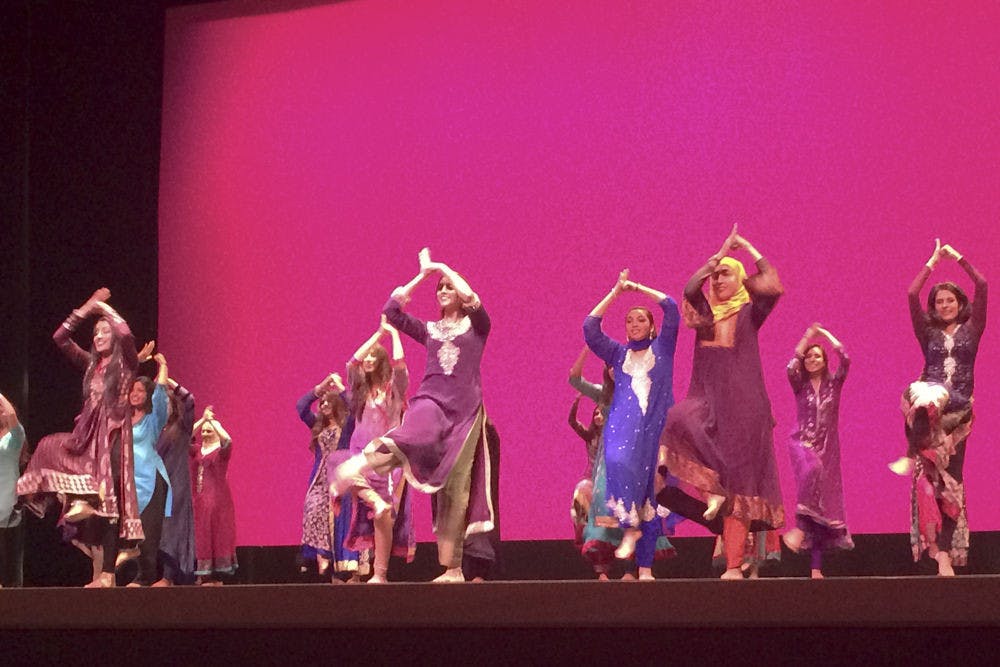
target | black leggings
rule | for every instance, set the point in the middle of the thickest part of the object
(152, 527)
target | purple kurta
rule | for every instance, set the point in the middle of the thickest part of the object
(444, 412)
(720, 439)
(378, 416)
(815, 453)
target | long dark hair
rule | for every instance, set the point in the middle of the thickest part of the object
(362, 383)
(114, 372)
(150, 387)
(323, 422)
(964, 307)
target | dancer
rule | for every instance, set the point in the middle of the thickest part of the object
(214, 514)
(643, 370)
(381, 518)
(597, 542)
(323, 529)
(440, 443)
(718, 441)
(90, 470)
(948, 332)
(815, 449)
(152, 487)
(11, 540)
(177, 553)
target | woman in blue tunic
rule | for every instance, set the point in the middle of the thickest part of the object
(643, 371)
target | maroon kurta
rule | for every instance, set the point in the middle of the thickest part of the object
(80, 463)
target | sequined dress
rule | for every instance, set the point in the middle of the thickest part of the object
(643, 372)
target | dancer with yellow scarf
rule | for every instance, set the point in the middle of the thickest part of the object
(717, 449)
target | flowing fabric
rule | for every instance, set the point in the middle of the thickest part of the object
(379, 416)
(214, 512)
(815, 453)
(177, 536)
(81, 463)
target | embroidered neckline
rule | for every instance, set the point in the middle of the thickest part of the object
(637, 365)
(444, 330)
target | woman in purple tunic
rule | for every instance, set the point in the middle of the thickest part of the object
(378, 399)
(214, 513)
(90, 469)
(815, 449)
(948, 332)
(643, 371)
(440, 444)
(323, 531)
(718, 442)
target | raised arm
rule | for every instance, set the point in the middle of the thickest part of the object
(63, 336)
(130, 357)
(574, 423)
(918, 318)
(600, 343)
(844, 362)
(362, 352)
(304, 408)
(576, 380)
(977, 319)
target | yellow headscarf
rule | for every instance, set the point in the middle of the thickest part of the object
(722, 310)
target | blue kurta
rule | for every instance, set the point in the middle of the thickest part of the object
(643, 373)
(145, 433)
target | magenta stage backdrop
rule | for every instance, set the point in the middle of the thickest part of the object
(310, 150)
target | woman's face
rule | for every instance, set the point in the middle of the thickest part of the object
(946, 305)
(598, 417)
(725, 283)
(326, 408)
(102, 337)
(637, 325)
(814, 361)
(369, 362)
(208, 433)
(447, 297)
(137, 397)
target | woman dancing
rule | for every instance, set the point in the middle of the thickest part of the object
(177, 555)
(815, 449)
(948, 332)
(597, 543)
(323, 533)
(643, 370)
(214, 514)
(152, 485)
(440, 443)
(378, 399)
(718, 441)
(90, 470)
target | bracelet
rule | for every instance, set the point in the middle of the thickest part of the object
(960, 258)
(930, 266)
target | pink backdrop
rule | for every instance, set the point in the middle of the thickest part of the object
(309, 153)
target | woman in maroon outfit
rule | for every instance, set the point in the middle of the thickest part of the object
(89, 471)
(214, 514)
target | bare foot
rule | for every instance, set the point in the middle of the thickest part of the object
(714, 503)
(103, 580)
(134, 584)
(816, 574)
(945, 569)
(125, 555)
(646, 574)
(78, 511)
(793, 539)
(452, 575)
(162, 583)
(322, 564)
(753, 571)
(627, 546)
(902, 466)
(603, 576)
(628, 576)
(732, 574)
(378, 578)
